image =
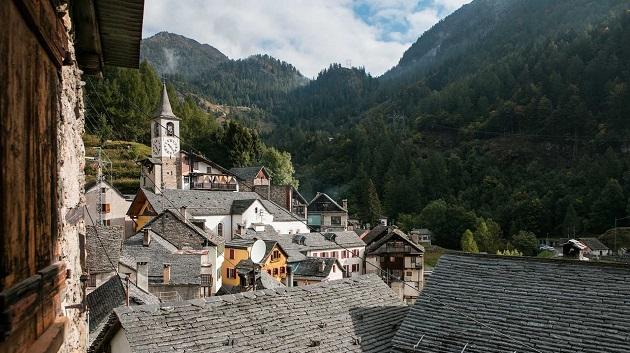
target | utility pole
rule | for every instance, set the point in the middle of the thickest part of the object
(98, 163)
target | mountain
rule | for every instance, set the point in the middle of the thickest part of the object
(486, 30)
(259, 80)
(171, 54)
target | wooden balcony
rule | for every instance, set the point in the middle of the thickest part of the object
(213, 186)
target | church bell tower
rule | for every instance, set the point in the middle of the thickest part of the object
(165, 144)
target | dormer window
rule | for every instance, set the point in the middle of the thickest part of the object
(170, 129)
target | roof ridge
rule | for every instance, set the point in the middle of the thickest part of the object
(562, 261)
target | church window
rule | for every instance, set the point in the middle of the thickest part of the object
(170, 129)
(156, 129)
(220, 229)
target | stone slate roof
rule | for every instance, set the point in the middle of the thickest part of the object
(558, 306)
(351, 315)
(247, 173)
(310, 268)
(103, 300)
(204, 203)
(374, 233)
(185, 267)
(594, 244)
(397, 235)
(164, 108)
(98, 247)
(180, 232)
(240, 206)
(312, 241)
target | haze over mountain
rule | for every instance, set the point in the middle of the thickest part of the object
(513, 112)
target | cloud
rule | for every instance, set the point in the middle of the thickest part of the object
(308, 34)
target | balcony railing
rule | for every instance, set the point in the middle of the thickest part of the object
(213, 186)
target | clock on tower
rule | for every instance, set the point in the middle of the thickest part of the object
(164, 130)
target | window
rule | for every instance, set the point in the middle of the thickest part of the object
(196, 165)
(92, 281)
(231, 254)
(282, 270)
(343, 254)
(333, 254)
(201, 224)
(275, 255)
(256, 210)
(269, 272)
(209, 170)
(105, 208)
(220, 229)
(206, 280)
(156, 129)
(408, 274)
(324, 254)
(170, 129)
(413, 260)
(275, 271)
(346, 268)
(392, 259)
(334, 268)
(107, 222)
(231, 273)
(355, 268)
(335, 220)
(103, 190)
(355, 253)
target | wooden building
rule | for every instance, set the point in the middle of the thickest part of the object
(45, 46)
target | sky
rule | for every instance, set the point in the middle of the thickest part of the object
(310, 34)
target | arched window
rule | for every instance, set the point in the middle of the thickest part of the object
(220, 229)
(170, 129)
(156, 129)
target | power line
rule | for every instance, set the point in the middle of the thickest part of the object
(100, 241)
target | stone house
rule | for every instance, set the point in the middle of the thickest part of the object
(172, 258)
(314, 270)
(45, 48)
(325, 214)
(102, 253)
(256, 179)
(288, 197)
(225, 213)
(391, 254)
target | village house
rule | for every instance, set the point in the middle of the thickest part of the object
(324, 214)
(256, 179)
(595, 247)
(173, 259)
(238, 268)
(525, 304)
(289, 198)
(224, 213)
(364, 318)
(46, 47)
(314, 270)
(103, 245)
(111, 294)
(421, 236)
(346, 246)
(391, 254)
(107, 206)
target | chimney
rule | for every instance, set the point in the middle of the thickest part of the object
(322, 266)
(142, 275)
(182, 210)
(289, 276)
(166, 274)
(344, 203)
(146, 239)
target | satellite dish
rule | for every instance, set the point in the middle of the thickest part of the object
(258, 251)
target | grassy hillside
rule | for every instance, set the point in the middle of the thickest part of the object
(124, 173)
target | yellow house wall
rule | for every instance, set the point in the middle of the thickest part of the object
(281, 262)
(239, 254)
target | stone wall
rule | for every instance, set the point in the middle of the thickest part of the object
(70, 191)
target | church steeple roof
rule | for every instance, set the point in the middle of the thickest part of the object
(164, 110)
